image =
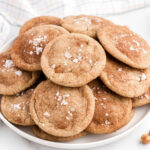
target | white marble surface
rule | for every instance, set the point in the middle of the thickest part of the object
(139, 21)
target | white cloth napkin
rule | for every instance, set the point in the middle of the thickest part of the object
(13, 13)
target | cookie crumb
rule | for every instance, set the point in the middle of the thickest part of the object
(145, 138)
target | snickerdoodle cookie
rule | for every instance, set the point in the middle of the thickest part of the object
(111, 111)
(125, 45)
(42, 20)
(62, 111)
(27, 49)
(16, 108)
(84, 24)
(124, 80)
(43, 135)
(12, 79)
(73, 60)
(141, 100)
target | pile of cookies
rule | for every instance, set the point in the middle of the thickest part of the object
(73, 76)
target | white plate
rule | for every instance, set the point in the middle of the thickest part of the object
(88, 141)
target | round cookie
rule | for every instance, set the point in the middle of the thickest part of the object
(16, 108)
(42, 20)
(62, 111)
(21, 79)
(43, 135)
(141, 100)
(84, 24)
(125, 45)
(111, 111)
(73, 60)
(124, 80)
(27, 49)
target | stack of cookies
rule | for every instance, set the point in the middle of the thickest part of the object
(73, 76)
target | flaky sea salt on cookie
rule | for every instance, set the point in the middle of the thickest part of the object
(141, 100)
(111, 110)
(84, 24)
(27, 49)
(125, 45)
(42, 20)
(73, 60)
(12, 79)
(124, 80)
(62, 111)
(43, 135)
(16, 108)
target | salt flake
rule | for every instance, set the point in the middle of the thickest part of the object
(75, 60)
(143, 76)
(107, 122)
(8, 63)
(47, 114)
(68, 55)
(63, 102)
(53, 66)
(18, 72)
(16, 106)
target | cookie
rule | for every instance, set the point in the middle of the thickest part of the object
(16, 108)
(12, 79)
(27, 49)
(111, 111)
(125, 45)
(141, 100)
(73, 60)
(124, 80)
(42, 20)
(62, 111)
(84, 24)
(43, 135)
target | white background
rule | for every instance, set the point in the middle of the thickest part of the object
(139, 21)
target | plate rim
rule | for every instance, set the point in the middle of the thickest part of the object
(65, 145)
